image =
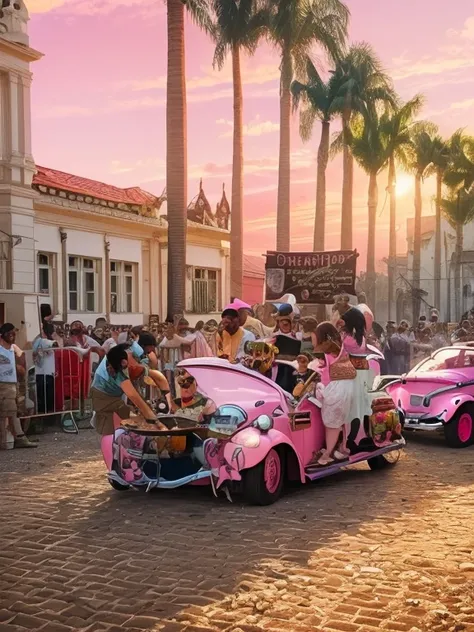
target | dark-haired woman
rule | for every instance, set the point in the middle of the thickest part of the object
(353, 330)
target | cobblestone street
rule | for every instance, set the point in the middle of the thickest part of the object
(362, 551)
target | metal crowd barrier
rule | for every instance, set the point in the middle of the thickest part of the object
(58, 386)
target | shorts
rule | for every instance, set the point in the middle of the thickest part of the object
(105, 407)
(9, 400)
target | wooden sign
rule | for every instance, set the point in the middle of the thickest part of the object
(312, 277)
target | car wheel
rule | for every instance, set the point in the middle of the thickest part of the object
(459, 432)
(383, 461)
(118, 486)
(263, 484)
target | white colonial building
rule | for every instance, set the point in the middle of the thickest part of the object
(447, 305)
(88, 249)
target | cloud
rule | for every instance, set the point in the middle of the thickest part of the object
(251, 75)
(89, 7)
(153, 170)
(44, 6)
(467, 32)
(454, 55)
(114, 106)
(466, 104)
(256, 127)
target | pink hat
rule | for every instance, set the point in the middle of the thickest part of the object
(238, 304)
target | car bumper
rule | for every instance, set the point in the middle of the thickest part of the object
(161, 483)
(430, 425)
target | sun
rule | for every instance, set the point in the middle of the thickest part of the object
(404, 184)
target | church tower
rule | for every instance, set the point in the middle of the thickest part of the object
(18, 302)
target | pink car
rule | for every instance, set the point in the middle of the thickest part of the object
(438, 395)
(258, 437)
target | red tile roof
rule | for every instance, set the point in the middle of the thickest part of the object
(254, 267)
(92, 188)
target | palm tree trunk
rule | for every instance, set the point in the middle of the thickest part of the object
(320, 216)
(392, 244)
(237, 231)
(283, 208)
(347, 190)
(372, 207)
(457, 270)
(437, 256)
(417, 250)
(176, 160)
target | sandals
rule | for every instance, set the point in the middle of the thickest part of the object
(341, 456)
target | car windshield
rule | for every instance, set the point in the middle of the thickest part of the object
(452, 358)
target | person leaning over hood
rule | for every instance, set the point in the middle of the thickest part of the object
(111, 382)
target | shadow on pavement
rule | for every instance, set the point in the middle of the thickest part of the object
(71, 540)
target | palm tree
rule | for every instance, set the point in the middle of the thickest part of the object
(440, 157)
(240, 24)
(370, 149)
(421, 159)
(295, 26)
(176, 148)
(397, 128)
(458, 208)
(460, 170)
(317, 97)
(459, 177)
(363, 85)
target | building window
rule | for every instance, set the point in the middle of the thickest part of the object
(83, 284)
(5, 263)
(45, 272)
(123, 287)
(205, 291)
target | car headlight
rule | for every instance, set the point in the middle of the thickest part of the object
(264, 423)
(247, 438)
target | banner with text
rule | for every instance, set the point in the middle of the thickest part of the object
(313, 277)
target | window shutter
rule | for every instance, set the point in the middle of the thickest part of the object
(189, 289)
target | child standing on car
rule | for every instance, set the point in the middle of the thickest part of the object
(336, 391)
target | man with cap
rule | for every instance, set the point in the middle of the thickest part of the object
(232, 339)
(10, 358)
(249, 323)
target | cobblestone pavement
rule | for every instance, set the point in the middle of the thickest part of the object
(360, 552)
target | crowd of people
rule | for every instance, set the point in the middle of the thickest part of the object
(120, 360)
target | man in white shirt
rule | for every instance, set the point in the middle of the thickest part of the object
(45, 368)
(9, 395)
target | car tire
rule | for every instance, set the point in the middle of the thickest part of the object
(263, 484)
(384, 461)
(118, 486)
(459, 432)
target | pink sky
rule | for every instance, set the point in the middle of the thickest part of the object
(99, 97)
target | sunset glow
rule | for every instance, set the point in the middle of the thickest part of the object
(404, 185)
(110, 116)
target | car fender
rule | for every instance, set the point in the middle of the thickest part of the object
(106, 445)
(454, 403)
(252, 456)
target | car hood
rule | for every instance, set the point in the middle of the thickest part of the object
(227, 383)
(450, 376)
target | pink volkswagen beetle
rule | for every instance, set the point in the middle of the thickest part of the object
(257, 437)
(438, 395)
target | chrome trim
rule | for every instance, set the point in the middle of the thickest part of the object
(162, 482)
(437, 425)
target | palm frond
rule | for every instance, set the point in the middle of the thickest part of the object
(200, 12)
(307, 118)
(239, 23)
(337, 144)
(458, 208)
